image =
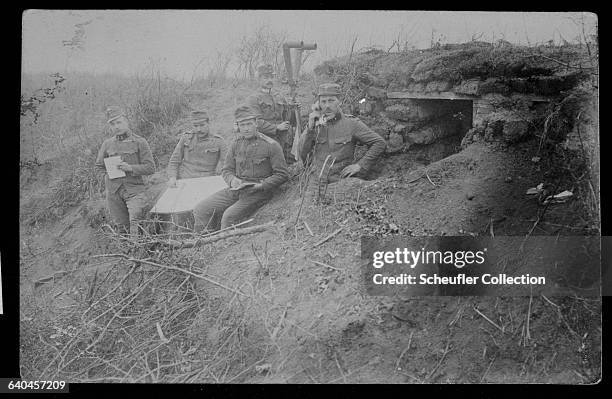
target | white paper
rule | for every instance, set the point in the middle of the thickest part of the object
(187, 194)
(111, 167)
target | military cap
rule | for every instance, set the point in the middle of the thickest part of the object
(245, 112)
(113, 112)
(265, 69)
(199, 116)
(329, 89)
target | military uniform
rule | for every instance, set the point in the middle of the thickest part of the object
(273, 109)
(125, 195)
(338, 138)
(197, 156)
(256, 159)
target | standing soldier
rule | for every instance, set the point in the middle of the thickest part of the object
(254, 167)
(330, 138)
(273, 110)
(198, 153)
(125, 196)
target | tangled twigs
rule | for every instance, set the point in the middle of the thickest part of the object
(111, 291)
(178, 269)
(216, 236)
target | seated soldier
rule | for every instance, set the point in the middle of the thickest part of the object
(254, 167)
(198, 152)
(330, 135)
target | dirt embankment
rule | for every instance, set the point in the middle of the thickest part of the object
(303, 321)
(331, 330)
(301, 314)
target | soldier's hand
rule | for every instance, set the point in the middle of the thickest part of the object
(350, 170)
(124, 166)
(235, 182)
(283, 126)
(312, 118)
(172, 182)
(257, 187)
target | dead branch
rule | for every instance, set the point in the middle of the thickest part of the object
(308, 228)
(326, 265)
(489, 320)
(212, 238)
(178, 269)
(328, 237)
(563, 63)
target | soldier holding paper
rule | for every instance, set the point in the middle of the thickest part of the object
(125, 195)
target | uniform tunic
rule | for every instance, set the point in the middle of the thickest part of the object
(272, 108)
(133, 150)
(257, 159)
(125, 195)
(338, 139)
(197, 156)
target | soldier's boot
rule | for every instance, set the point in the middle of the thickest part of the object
(136, 205)
(247, 203)
(207, 213)
(118, 211)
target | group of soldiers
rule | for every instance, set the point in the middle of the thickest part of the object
(254, 164)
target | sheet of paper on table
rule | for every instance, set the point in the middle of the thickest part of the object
(111, 167)
(187, 194)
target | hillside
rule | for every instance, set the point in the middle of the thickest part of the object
(288, 305)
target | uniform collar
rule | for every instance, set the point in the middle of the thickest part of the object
(124, 136)
(201, 136)
(251, 138)
(339, 115)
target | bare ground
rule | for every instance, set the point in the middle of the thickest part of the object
(305, 322)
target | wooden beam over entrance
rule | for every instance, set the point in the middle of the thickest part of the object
(442, 95)
(449, 95)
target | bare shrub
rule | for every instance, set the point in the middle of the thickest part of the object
(263, 46)
(145, 324)
(159, 101)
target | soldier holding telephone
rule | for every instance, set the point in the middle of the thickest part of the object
(332, 133)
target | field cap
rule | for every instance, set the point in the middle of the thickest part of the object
(113, 112)
(199, 116)
(265, 69)
(244, 112)
(329, 89)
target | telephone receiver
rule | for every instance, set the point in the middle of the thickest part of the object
(316, 108)
(320, 119)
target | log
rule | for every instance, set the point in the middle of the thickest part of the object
(217, 237)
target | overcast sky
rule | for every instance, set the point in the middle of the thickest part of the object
(125, 41)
